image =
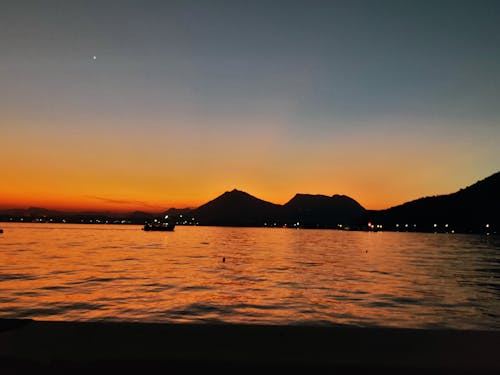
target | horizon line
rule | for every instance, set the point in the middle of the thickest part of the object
(92, 209)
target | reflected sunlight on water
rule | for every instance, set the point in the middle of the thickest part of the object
(273, 276)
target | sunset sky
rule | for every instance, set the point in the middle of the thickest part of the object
(384, 101)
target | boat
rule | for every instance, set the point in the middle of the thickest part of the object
(159, 226)
(165, 227)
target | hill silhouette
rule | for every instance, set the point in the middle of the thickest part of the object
(324, 211)
(237, 208)
(468, 209)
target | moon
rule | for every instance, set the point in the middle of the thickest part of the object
(94, 57)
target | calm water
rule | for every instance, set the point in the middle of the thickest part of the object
(273, 276)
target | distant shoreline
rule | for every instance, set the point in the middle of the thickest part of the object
(473, 209)
(421, 229)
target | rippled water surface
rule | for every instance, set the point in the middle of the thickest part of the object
(272, 276)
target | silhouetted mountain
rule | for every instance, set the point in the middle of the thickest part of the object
(18, 212)
(233, 208)
(468, 209)
(240, 208)
(321, 210)
(30, 212)
(37, 214)
(236, 208)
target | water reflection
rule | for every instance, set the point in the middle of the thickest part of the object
(86, 272)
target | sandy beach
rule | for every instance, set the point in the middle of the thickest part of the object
(27, 346)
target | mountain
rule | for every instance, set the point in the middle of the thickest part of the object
(236, 208)
(468, 209)
(30, 212)
(37, 214)
(321, 210)
(242, 209)
(233, 208)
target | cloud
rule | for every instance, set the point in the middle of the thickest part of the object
(122, 201)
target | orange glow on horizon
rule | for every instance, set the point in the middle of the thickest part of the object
(89, 170)
(157, 201)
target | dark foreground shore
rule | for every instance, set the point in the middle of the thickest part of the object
(28, 346)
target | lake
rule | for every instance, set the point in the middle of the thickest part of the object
(270, 276)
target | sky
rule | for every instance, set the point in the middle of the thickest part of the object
(146, 105)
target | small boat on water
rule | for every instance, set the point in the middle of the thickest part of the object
(159, 226)
(167, 227)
